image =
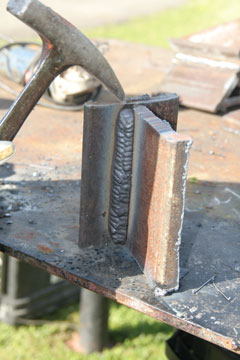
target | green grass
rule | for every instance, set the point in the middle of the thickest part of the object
(135, 336)
(156, 29)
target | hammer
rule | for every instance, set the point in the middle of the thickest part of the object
(63, 46)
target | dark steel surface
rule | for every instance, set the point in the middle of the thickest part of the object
(93, 326)
(183, 346)
(210, 244)
(41, 184)
(133, 183)
(63, 46)
(23, 297)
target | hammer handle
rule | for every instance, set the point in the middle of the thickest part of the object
(27, 99)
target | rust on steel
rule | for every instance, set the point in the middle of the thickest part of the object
(160, 162)
(63, 46)
(205, 68)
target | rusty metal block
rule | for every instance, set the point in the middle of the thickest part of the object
(205, 68)
(133, 183)
(201, 83)
(160, 161)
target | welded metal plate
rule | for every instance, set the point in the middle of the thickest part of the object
(160, 163)
(100, 126)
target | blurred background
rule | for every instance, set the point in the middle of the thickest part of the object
(151, 22)
(86, 14)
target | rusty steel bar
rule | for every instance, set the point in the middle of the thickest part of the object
(160, 163)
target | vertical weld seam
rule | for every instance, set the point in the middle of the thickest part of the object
(121, 177)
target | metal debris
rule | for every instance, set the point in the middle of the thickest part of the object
(195, 291)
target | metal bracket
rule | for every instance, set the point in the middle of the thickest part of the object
(134, 171)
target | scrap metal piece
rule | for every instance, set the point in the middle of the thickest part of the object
(160, 162)
(228, 298)
(201, 81)
(63, 46)
(212, 278)
(205, 68)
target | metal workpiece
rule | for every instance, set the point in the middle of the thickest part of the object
(63, 46)
(134, 172)
(108, 128)
(160, 163)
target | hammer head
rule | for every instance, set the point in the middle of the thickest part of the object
(70, 46)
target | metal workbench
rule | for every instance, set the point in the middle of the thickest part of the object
(41, 188)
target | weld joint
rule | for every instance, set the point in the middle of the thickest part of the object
(121, 177)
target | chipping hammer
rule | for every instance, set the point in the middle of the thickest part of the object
(63, 46)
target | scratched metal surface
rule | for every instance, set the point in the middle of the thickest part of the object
(40, 190)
